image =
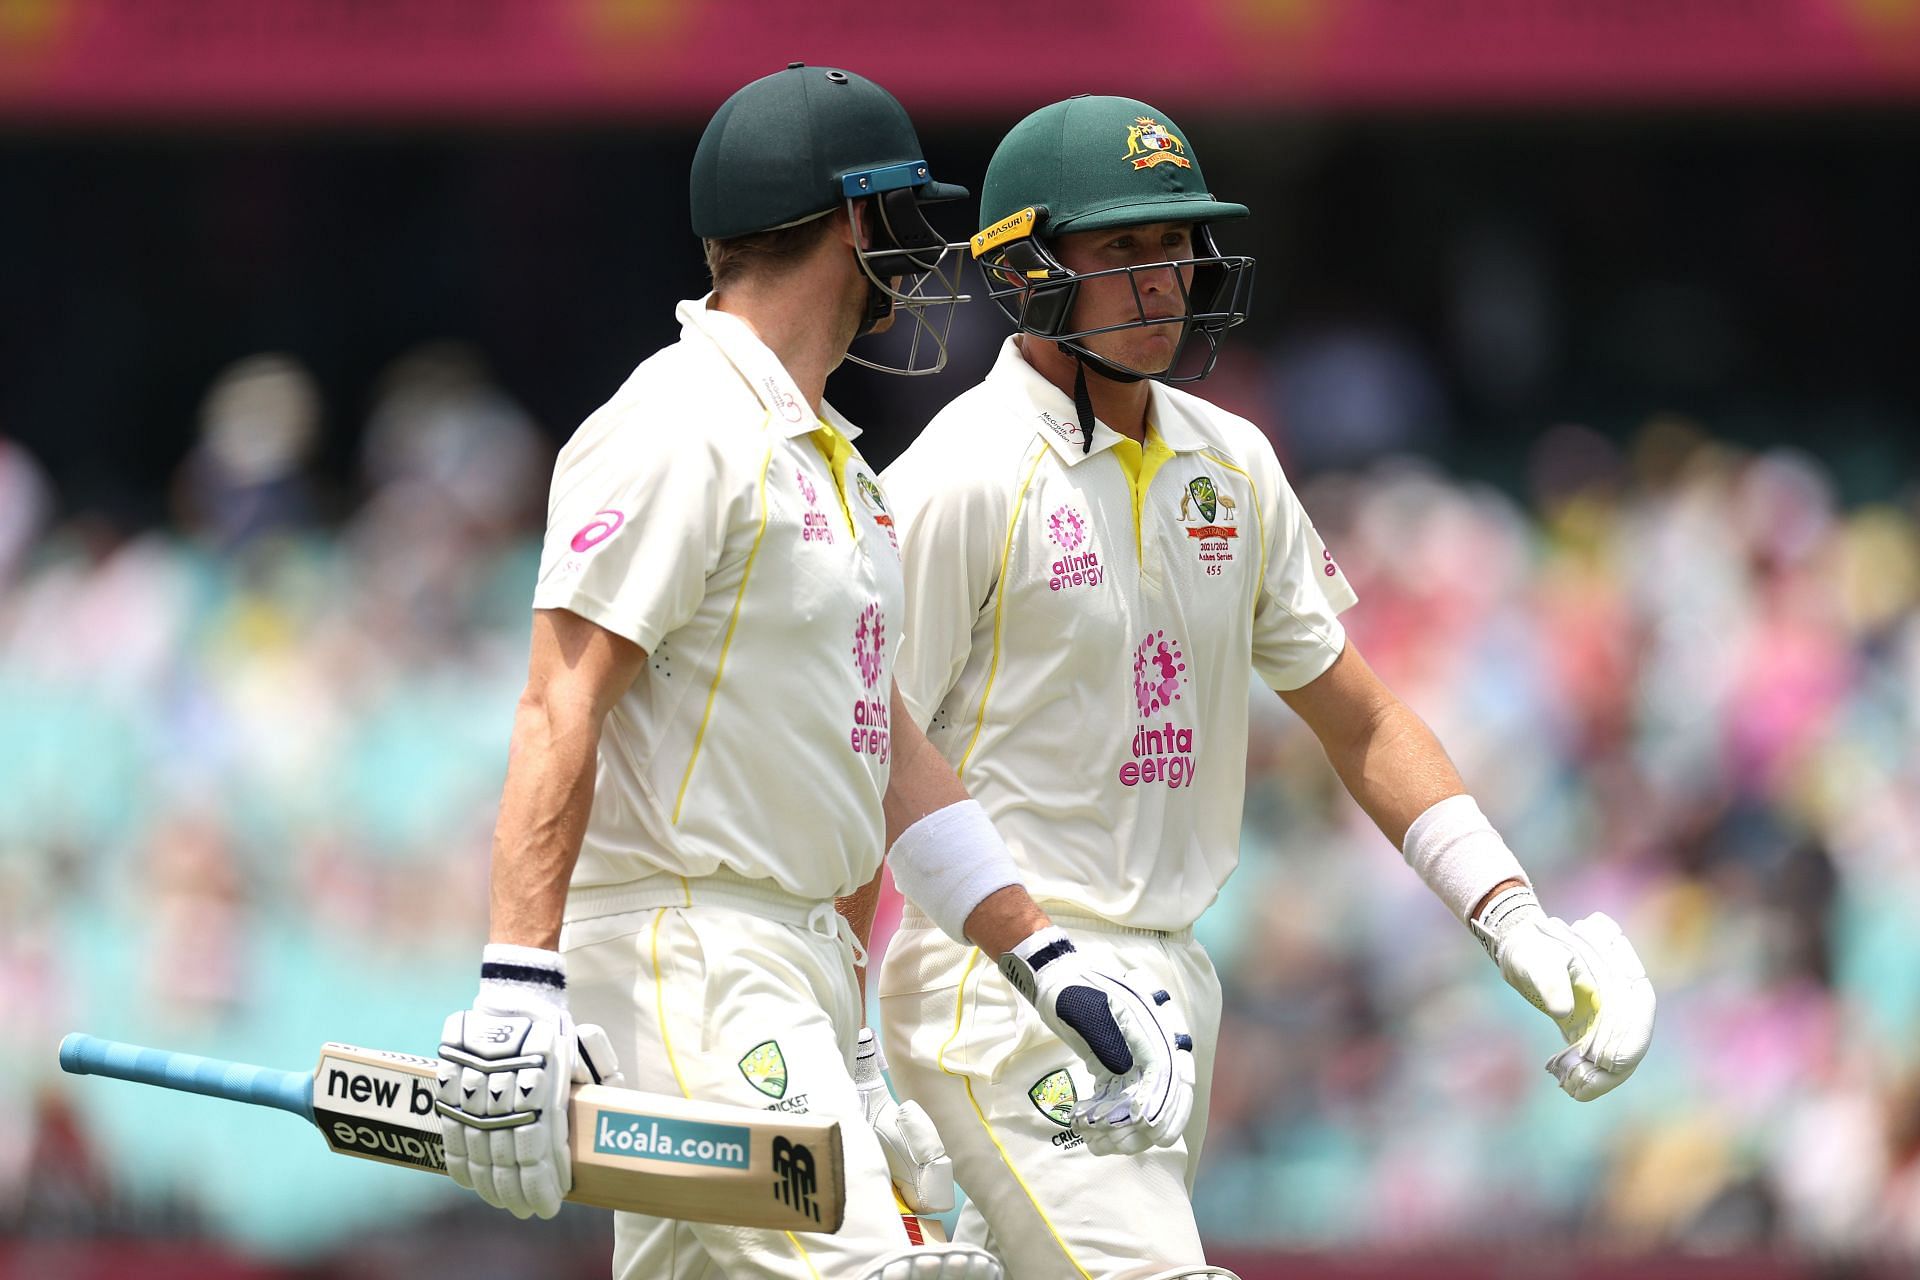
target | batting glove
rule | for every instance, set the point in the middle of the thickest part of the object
(1126, 1031)
(507, 1070)
(1585, 976)
(916, 1158)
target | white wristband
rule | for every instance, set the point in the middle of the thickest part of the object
(949, 861)
(1457, 852)
(515, 976)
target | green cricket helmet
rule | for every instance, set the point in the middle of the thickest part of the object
(1092, 164)
(803, 142)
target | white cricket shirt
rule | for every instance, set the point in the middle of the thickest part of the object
(1082, 628)
(698, 514)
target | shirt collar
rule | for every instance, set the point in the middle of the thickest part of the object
(758, 367)
(1052, 414)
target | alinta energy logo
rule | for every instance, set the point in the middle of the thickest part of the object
(1077, 568)
(1163, 752)
(1157, 667)
(870, 728)
(814, 526)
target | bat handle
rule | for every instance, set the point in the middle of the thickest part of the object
(85, 1055)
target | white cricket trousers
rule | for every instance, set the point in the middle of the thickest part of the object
(963, 1043)
(730, 990)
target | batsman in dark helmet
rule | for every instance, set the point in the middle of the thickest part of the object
(789, 151)
(1098, 566)
(709, 760)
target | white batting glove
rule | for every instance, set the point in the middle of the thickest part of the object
(1126, 1031)
(507, 1070)
(916, 1158)
(1585, 976)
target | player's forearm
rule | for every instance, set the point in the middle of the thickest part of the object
(1394, 768)
(543, 818)
(1004, 919)
(920, 781)
(923, 783)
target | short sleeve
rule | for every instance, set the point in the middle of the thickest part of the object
(951, 533)
(1296, 623)
(632, 534)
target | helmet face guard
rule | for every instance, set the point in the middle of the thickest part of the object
(1037, 293)
(910, 267)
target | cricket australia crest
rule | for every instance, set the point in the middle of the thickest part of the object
(765, 1068)
(1056, 1097)
(1215, 509)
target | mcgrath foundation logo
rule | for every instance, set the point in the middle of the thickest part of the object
(1067, 528)
(1069, 432)
(765, 1068)
(1150, 143)
(1157, 667)
(869, 644)
(783, 400)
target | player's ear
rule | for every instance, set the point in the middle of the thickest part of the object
(850, 224)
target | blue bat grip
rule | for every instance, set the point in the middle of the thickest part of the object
(85, 1055)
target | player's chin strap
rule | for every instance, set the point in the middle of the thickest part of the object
(1083, 399)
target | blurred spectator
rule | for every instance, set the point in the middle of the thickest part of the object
(26, 502)
(246, 474)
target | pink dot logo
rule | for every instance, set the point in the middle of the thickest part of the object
(806, 489)
(1157, 665)
(869, 644)
(602, 528)
(1067, 528)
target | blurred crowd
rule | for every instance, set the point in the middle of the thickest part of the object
(1686, 685)
(251, 761)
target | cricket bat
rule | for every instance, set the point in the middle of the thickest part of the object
(639, 1152)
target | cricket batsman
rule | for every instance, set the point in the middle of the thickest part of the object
(1097, 564)
(703, 758)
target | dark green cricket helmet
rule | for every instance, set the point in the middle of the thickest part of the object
(1093, 164)
(802, 142)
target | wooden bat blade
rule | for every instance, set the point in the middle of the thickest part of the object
(632, 1151)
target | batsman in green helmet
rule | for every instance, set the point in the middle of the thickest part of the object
(1098, 565)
